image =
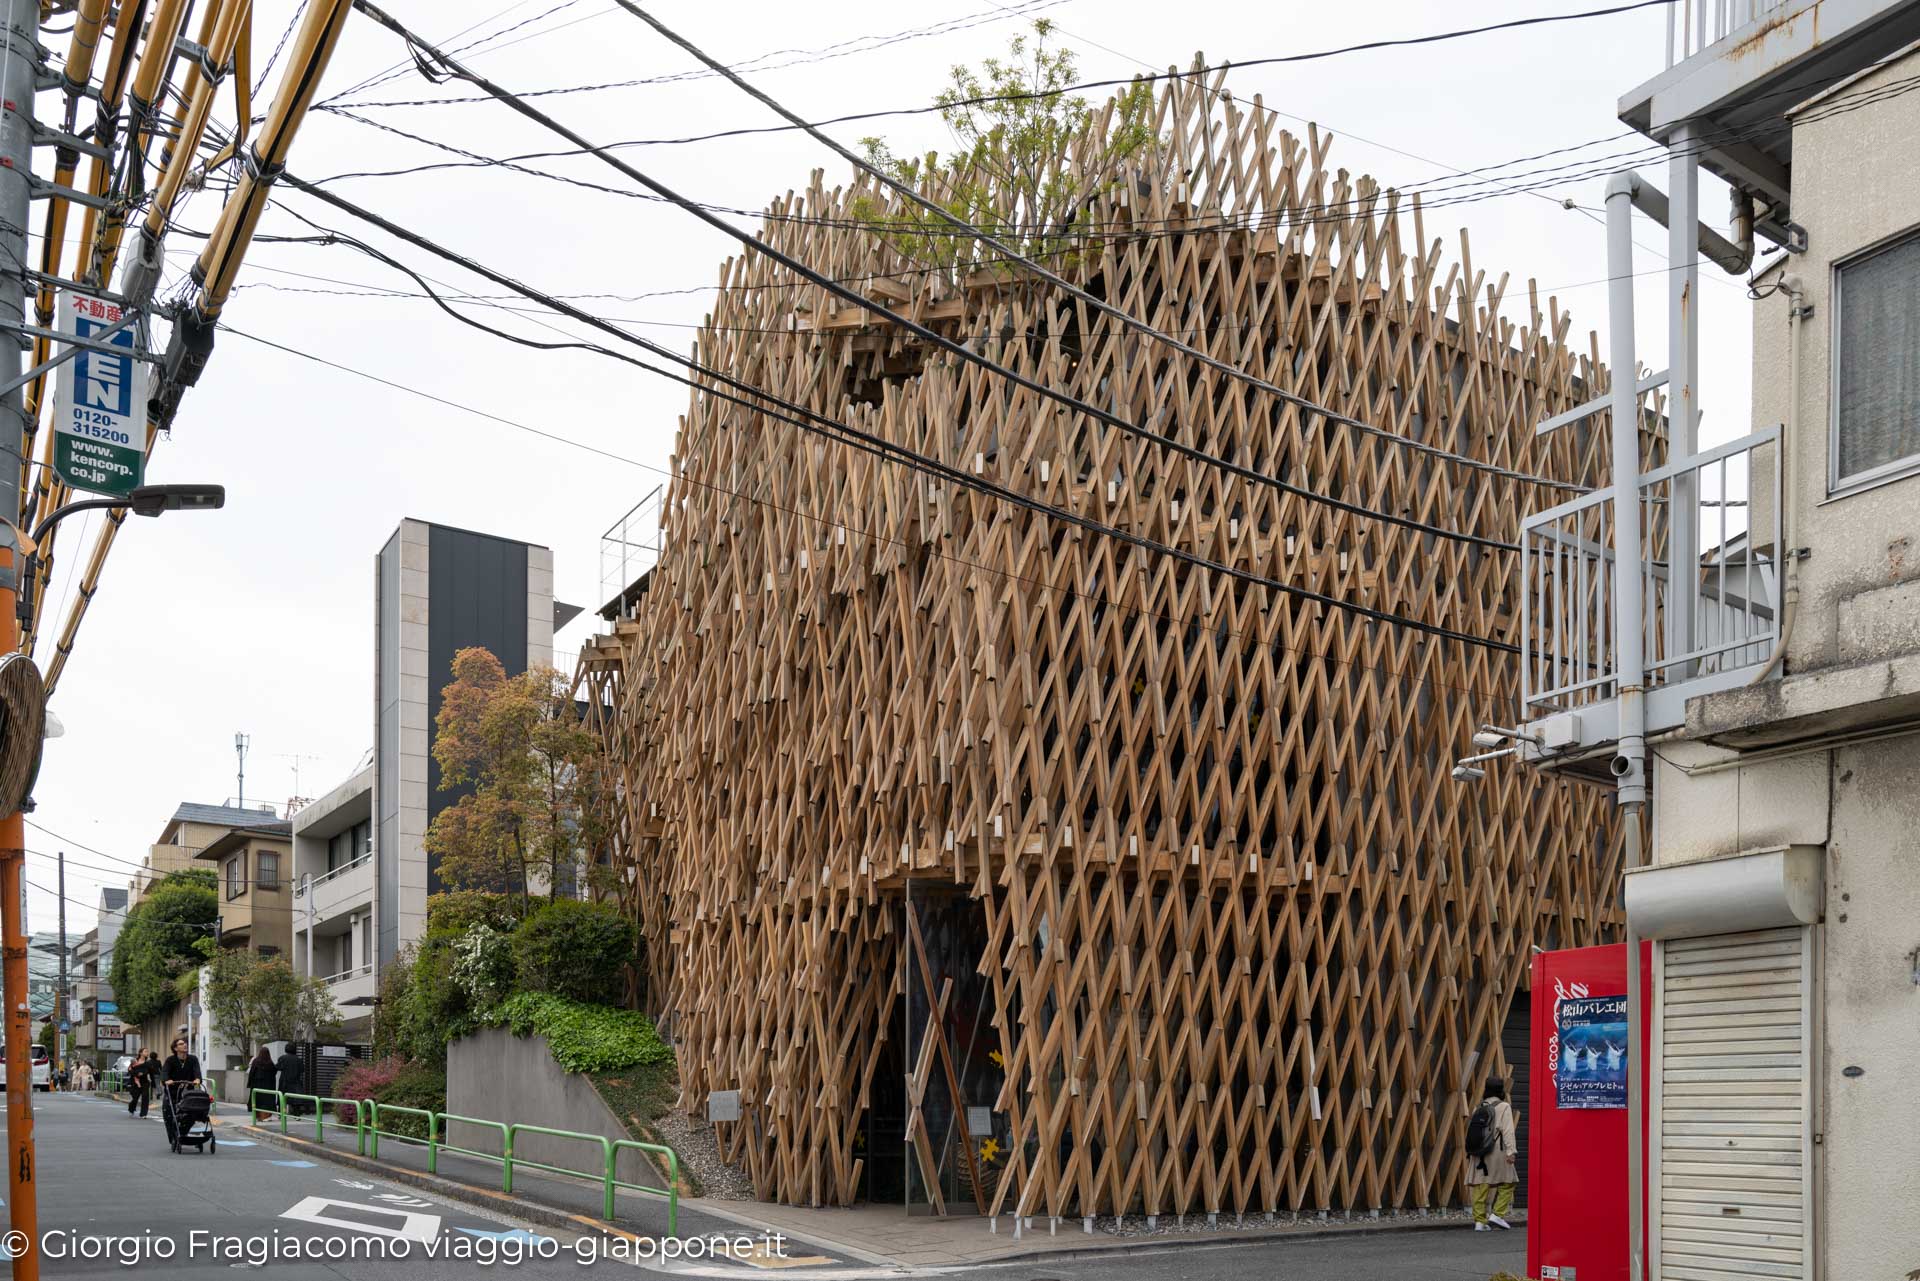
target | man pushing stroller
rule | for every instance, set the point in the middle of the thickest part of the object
(185, 1105)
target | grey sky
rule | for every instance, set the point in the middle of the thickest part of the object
(260, 618)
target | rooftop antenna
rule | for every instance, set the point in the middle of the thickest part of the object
(240, 742)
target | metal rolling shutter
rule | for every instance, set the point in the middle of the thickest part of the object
(1733, 1148)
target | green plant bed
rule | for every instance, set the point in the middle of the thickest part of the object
(639, 1096)
(585, 1038)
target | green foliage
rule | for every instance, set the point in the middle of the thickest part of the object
(164, 938)
(457, 911)
(483, 965)
(255, 999)
(392, 1014)
(574, 949)
(1015, 128)
(585, 1038)
(439, 1011)
(47, 1037)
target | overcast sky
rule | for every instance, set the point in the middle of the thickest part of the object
(259, 618)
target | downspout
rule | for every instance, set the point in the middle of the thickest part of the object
(1629, 763)
(1787, 554)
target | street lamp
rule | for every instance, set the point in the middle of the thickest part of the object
(146, 500)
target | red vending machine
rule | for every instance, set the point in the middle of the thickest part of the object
(1577, 1113)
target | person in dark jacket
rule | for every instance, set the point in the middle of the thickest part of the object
(293, 1078)
(261, 1075)
(181, 1073)
(140, 1078)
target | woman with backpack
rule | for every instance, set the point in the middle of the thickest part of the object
(1491, 1150)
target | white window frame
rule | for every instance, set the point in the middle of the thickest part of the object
(1899, 468)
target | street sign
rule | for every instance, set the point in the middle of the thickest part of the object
(100, 402)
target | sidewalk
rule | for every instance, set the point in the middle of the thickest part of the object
(876, 1234)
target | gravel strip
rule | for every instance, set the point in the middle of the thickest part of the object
(693, 1140)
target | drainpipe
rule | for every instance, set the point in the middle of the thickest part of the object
(1787, 556)
(1629, 763)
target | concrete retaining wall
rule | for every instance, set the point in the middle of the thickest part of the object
(497, 1076)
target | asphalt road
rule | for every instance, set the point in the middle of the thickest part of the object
(110, 1186)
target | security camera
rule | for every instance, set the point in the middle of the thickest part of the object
(1467, 773)
(1489, 738)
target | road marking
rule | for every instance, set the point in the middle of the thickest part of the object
(400, 1198)
(412, 1226)
(517, 1234)
(355, 1183)
(294, 1165)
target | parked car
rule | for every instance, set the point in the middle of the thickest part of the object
(42, 1069)
(121, 1064)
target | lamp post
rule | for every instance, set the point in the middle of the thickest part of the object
(147, 500)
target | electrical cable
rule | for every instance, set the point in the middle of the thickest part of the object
(938, 340)
(818, 424)
(831, 523)
(1072, 290)
(1281, 59)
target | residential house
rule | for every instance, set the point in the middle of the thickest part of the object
(253, 866)
(1784, 881)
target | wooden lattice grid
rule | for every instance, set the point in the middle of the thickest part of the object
(1249, 946)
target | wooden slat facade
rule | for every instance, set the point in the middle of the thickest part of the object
(1249, 948)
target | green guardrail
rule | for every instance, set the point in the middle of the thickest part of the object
(368, 1131)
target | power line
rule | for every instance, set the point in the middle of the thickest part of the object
(808, 420)
(1059, 282)
(1276, 60)
(830, 523)
(938, 340)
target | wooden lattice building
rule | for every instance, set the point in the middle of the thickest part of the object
(1003, 865)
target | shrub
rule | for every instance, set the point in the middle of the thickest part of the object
(585, 1038)
(483, 965)
(438, 1011)
(457, 911)
(364, 1080)
(397, 1081)
(393, 1012)
(575, 950)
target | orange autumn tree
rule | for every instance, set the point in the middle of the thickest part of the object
(534, 779)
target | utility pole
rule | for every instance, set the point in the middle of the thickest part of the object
(60, 992)
(19, 67)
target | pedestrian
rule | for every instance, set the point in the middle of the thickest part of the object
(1491, 1150)
(182, 1072)
(84, 1075)
(141, 1076)
(261, 1075)
(292, 1078)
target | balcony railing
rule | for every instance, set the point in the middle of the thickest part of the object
(1692, 25)
(315, 882)
(630, 547)
(357, 972)
(1705, 624)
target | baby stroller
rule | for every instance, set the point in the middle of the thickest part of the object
(184, 1107)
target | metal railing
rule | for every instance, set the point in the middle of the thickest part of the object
(1693, 25)
(368, 1131)
(631, 545)
(356, 972)
(307, 883)
(1718, 616)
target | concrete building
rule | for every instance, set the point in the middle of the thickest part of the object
(360, 866)
(99, 1033)
(333, 897)
(440, 590)
(1783, 891)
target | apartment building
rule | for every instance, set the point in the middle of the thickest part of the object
(1773, 715)
(99, 1031)
(360, 865)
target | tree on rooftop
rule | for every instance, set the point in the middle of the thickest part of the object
(1013, 172)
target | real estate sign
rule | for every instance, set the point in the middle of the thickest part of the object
(100, 401)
